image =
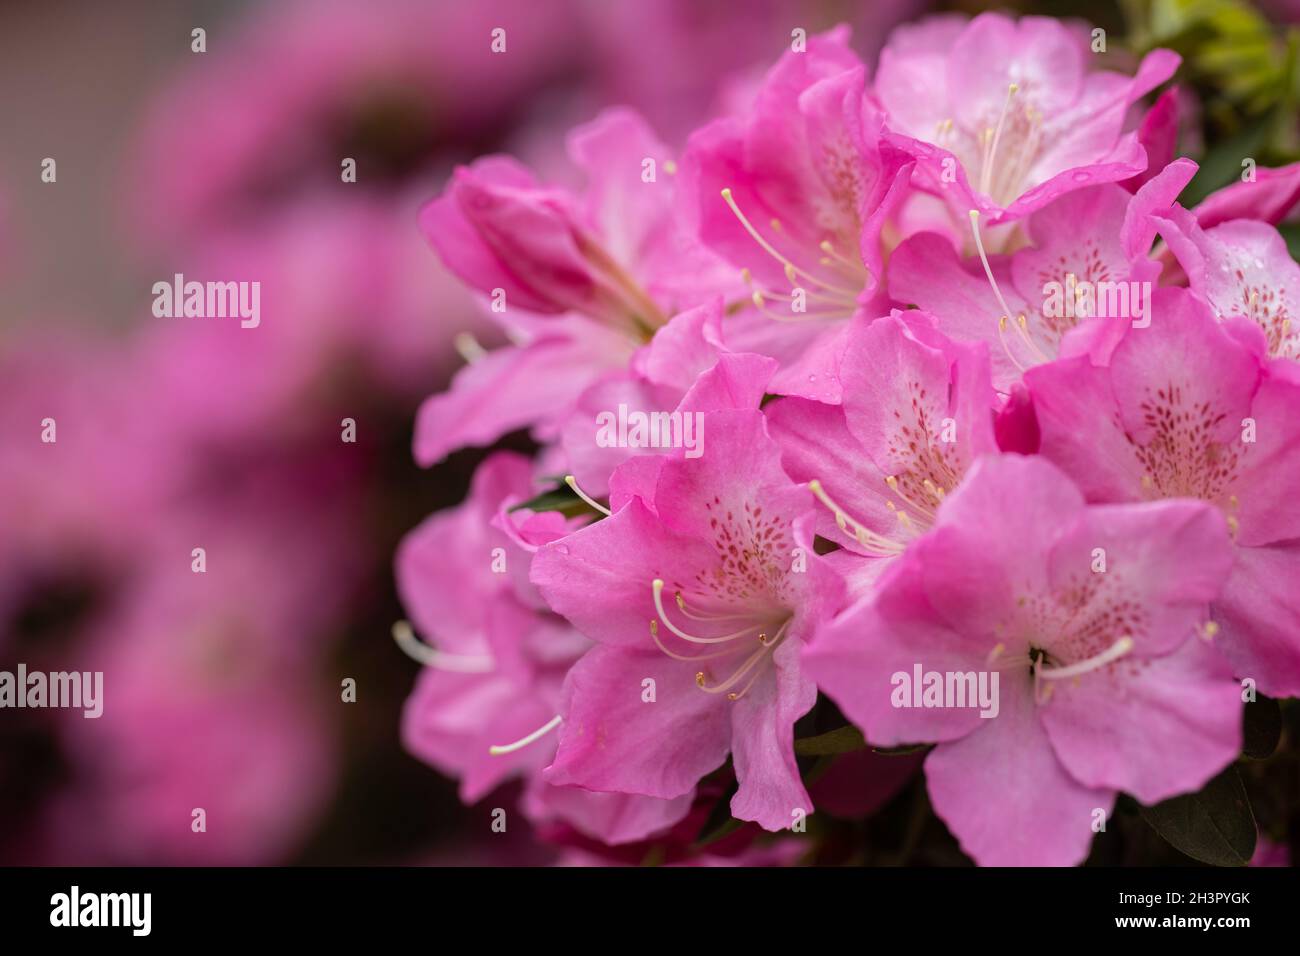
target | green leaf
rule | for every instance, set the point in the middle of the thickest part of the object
(1291, 233)
(902, 751)
(1222, 164)
(841, 741)
(1215, 826)
(725, 829)
(561, 499)
(1263, 728)
(845, 740)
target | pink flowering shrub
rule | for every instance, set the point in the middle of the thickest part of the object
(896, 420)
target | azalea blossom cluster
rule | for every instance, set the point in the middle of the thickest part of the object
(975, 394)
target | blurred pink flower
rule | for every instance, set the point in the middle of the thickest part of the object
(211, 701)
(76, 503)
(707, 43)
(273, 109)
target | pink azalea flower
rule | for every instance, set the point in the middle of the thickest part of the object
(1192, 408)
(1241, 267)
(496, 663)
(1158, 134)
(579, 283)
(84, 392)
(1269, 197)
(686, 369)
(1006, 115)
(796, 194)
(1101, 685)
(699, 591)
(1098, 235)
(917, 412)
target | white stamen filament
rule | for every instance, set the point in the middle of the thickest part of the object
(852, 268)
(760, 303)
(1108, 656)
(838, 293)
(685, 609)
(663, 616)
(769, 248)
(1002, 337)
(760, 296)
(791, 270)
(903, 517)
(1021, 326)
(984, 259)
(995, 657)
(745, 690)
(877, 543)
(750, 664)
(654, 635)
(573, 484)
(1028, 151)
(469, 347)
(422, 653)
(892, 482)
(990, 157)
(496, 750)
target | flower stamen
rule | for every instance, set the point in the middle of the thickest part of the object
(496, 750)
(573, 485)
(1111, 654)
(429, 656)
(1021, 323)
(877, 543)
(663, 616)
(791, 270)
(750, 664)
(990, 156)
(694, 615)
(654, 635)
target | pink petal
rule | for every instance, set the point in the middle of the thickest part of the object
(1006, 797)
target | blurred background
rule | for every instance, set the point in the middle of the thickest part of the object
(224, 689)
